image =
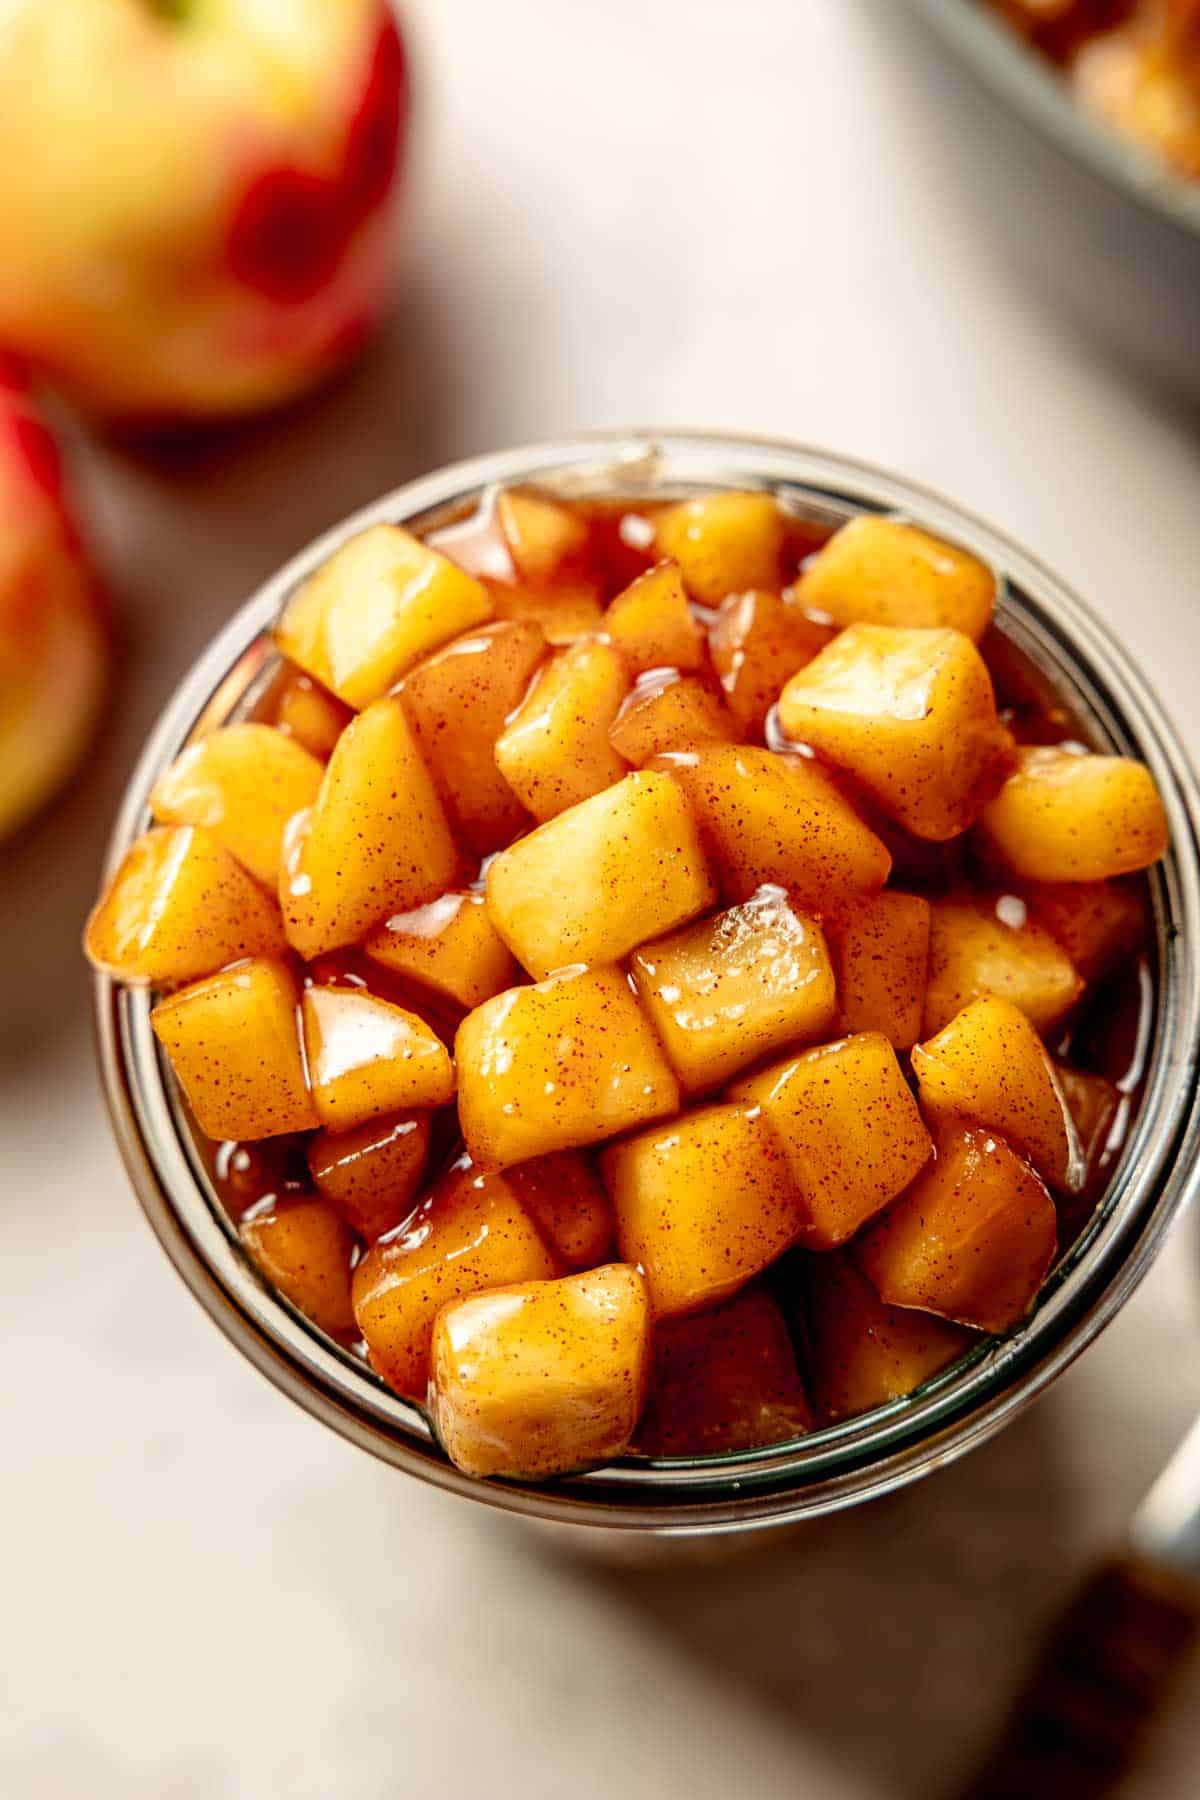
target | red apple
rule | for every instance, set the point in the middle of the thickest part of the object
(54, 649)
(196, 221)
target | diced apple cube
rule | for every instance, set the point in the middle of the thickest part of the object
(757, 642)
(910, 714)
(971, 1240)
(178, 907)
(376, 842)
(724, 543)
(305, 712)
(458, 702)
(540, 533)
(651, 622)
(990, 1067)
(565, 1198)
(380, 603)
(568, 1062)
(602, 877)
(555, 750)
(886, 572)
(768, 818)
(367, 1057)
(861, 1352)
(669, 712)
(234, 1043)
(734, 987)
(880, 948)
(372, 1174)
(979, 947)
(1066, 817)
(542, 1379)
(723, 1380)
(304, 1248)
(468, 1234)
(1098, 923)
(567, 608)
(702, 1204)
(849, 1128)
(449, 946)
(243, 783)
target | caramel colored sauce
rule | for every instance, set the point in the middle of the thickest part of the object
(1107, 1037)
(1058, 27)
(677, 957)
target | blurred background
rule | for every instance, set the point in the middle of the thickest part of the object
(804, 218)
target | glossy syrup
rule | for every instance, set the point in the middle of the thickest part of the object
(1109, 1036)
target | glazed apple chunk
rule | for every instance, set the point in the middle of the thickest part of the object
(179, 906)
(702, 1204)
(1097, 924)
(651, 623)
(911, 714)
(367, 1057)
(566, 1062)
(862, 1352)
(731, 989)
(987, 944)
(374, 609)
(448, 946)
(309, 714)
(469, 1233)
(989, 1065)
(565, 1198)
(770, 818)
(595, 882)
(880, 948)
(541, 534)
(458, 703)
(303, 1245)
(556, 749)
(971, 1241)
(234, 1043)
(1065, 816)
(372, 1173)
(242, 783)
(543, 1379)
(882, 571)
(649, 974)
(724, 543)
(724, 1380)
(848, 1129)
(669, 712)
(375, 841)
(542, 578)
(756, 642)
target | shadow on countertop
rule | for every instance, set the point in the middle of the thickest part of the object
(893, 1633)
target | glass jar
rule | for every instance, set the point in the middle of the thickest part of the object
(862, 1457)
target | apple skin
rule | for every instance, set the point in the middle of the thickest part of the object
(203, 224)
(54, 637)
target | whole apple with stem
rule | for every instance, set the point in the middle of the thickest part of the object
(54, 643)
(196, 221)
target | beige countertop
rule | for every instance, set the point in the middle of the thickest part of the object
(768, 217)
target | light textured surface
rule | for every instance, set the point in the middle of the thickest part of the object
(780, 217)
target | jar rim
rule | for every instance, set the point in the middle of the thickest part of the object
(859, 1458)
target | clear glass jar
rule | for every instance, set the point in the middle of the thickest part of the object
(862, 1457)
